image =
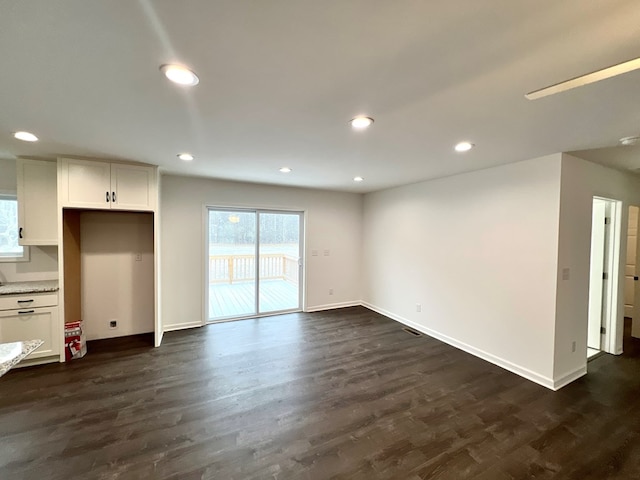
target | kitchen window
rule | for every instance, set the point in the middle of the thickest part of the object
(10, 250)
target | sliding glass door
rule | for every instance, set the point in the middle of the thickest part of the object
(279, 265)
(254, 262)
(232, 253)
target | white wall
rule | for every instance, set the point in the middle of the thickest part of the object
(43, 263)
(115, 286)
(484, 254)
(8, 176)
(581, 181)
(333, 222)
(478, 251)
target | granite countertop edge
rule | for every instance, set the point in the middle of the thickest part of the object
(22, 288)
(28, 347)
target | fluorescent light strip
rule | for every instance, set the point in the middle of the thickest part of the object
(583, 80)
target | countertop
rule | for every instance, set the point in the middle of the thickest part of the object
(21, 288)
(12, 355)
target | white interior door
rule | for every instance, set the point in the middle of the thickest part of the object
(596, 282)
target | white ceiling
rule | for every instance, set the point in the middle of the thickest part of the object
(280, 79)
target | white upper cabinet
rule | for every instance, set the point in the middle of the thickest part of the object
(37, 201)
(133, 187)
(85, 184)
(103, 185)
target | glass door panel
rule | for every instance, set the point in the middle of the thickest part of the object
(279, 261)
(232, 264)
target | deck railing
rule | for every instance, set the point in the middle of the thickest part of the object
(242, 268)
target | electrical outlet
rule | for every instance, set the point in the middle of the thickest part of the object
(113, 324)
(331, 291)
(418, 307)
(138, 257)
(573, 346)
(314, 253)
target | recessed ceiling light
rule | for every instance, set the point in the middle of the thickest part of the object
(187, 157)
(630, 140)
(361, 122)
(358, 179)
(464, 146)
(26, 136)
(285, 170)
(180, 75)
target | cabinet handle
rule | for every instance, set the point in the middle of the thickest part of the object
(113, 197)
(25, 301)
(24, 312)
(107, 197)
(20, 232)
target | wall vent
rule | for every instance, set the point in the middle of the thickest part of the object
(412, 331)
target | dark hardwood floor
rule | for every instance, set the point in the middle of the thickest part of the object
(345, 394)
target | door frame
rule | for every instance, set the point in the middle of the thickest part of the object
(302, 214)
(635, 315)
(612, 298)
(598, 264)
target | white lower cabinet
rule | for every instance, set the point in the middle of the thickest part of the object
(30, 323)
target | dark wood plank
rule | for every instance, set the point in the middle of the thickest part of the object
(338, 394)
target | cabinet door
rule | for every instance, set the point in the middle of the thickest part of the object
(84, 183)
(37, 202)
(31, 324)
(133, 187)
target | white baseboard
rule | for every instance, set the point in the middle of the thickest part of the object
(180, 326)
(500, 362)
(567, 378)
(331, 306)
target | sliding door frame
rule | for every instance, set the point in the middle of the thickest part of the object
(301, 259)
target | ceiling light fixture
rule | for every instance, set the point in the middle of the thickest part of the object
(583, 80)
(627, 141)
(464, 146)
(187, 157)
(285, 170)
(358, 179)
(25, 136)
(361, 122)
(180, 75)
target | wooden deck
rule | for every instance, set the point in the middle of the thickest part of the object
(238, 299)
